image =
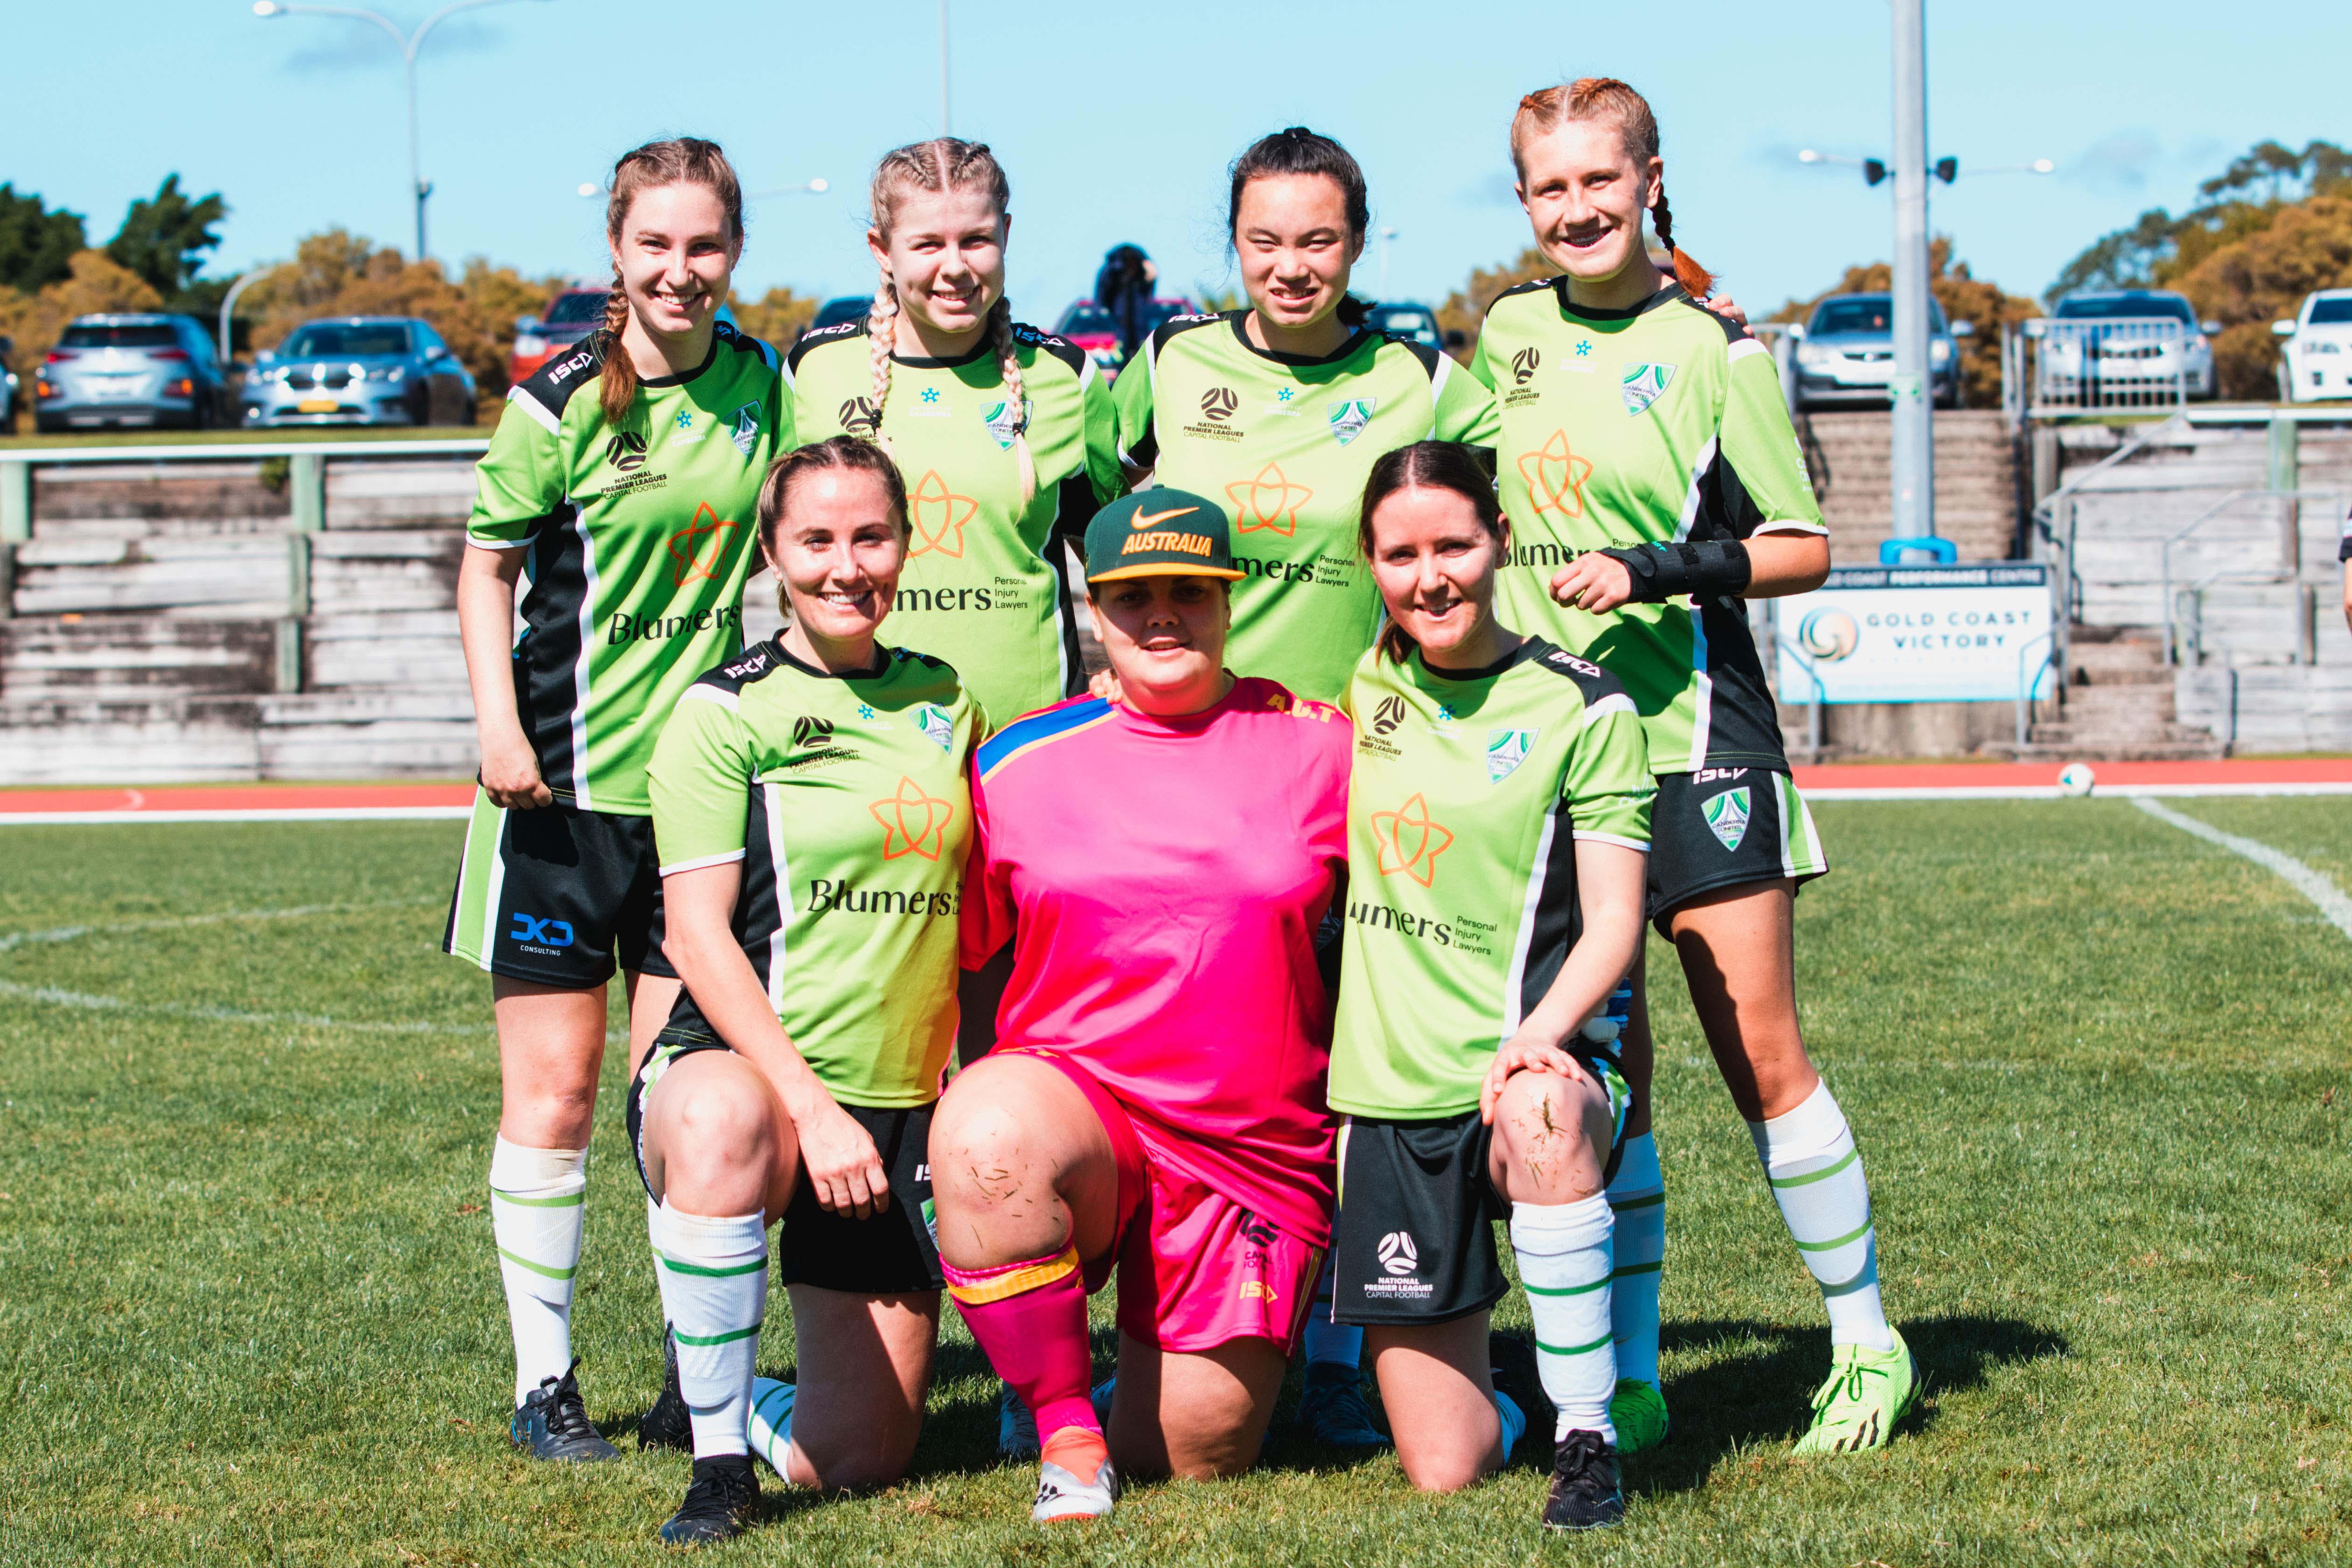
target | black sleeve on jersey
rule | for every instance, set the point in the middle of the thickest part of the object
(1145, 454)
(744, 342)
(819, 338)
(1076, 507)
(1528, 287)
(1726, 509)
(553, 383)
(1176, 325)
(1733, 332)
(1061, 349)
(1427, 356)
(754, 663)
(1590, 679)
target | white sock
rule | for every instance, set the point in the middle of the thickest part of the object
(538, 1197)
(1564, 1263)
(1816, 1175)
(771, 1425)
(714, 1288)
(1638, 1199)
(1329, 1343)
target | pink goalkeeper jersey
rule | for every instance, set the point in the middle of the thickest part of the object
(1161, 880)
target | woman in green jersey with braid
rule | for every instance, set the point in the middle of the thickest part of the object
(1005, 433)
(622, 481)
(810, 802)
(1653, 483)
(1498, 809)
(1278, 411)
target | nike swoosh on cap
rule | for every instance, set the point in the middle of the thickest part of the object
(1144, 519)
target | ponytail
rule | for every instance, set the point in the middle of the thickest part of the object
(682, 160)
(1607, 98)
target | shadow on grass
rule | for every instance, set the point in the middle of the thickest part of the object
(1759, 1389)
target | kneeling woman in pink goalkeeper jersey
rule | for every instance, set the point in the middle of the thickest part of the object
(1159, 865)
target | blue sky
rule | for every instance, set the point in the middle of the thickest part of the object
(1116, 124)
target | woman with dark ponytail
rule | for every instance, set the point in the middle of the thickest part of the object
(622, 480)
(1654, 484)
(1278, 411)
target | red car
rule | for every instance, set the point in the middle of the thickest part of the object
(570, 316)
(1090, 327)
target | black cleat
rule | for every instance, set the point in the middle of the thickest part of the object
(1511, 1361)
(1585, 1490)
(1331, 1409)
(719, 1503)
(553, 1423)
(668, 1425)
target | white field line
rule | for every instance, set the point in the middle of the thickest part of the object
(2051, 792)
(2302, 878)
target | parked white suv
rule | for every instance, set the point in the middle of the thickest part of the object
(2317, 362)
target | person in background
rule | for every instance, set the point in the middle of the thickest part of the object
(1123, 286)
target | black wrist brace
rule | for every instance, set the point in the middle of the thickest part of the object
(1661, 571)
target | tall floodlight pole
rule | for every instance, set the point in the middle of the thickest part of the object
(1914, 455)
(408, 44)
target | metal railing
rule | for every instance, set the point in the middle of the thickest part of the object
(2056, 369)
(2288, 570)
(2029, 680)
(1820, 691)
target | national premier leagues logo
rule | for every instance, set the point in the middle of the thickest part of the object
(1727, 815)
(1505, 750)
(1349, 417)
(1644, 385)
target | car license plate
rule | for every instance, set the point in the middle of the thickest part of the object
(316, 405)
(114, 388)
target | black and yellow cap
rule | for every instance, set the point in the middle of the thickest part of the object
(1160, 532)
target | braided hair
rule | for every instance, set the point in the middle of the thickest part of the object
(1606, 98)
(681, 161)
(945, 163)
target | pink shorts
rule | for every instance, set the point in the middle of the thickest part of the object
(1195, 1269)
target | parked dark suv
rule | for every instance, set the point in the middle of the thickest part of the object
(118, 370)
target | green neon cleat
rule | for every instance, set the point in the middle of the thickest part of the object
(1867, 1393)
(1638, 1411)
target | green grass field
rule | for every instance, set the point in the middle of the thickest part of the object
(2097, 1067)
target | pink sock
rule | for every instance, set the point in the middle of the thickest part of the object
(1031, 1319)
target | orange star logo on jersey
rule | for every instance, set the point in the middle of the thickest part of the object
(1556, 477)
(938, 516)
(912, 823)
(1269, 502)
(1408, 841)
(696, 550)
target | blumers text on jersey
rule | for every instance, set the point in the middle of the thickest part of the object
(1465, 800)
(985, 584)
(1621, 427)
(639, 539)
(844, 799)
(1285, 443)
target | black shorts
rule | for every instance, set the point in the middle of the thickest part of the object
(1722, 826)
(1413, 1242)
(895, 1252)
(557, 895)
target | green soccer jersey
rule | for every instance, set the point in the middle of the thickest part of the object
(1285, 443)
(639, 541)
(984, 583)
(1621, 427)
(845, 799)
(1465, 802)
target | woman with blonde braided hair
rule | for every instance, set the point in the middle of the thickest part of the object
(1654, 484)
(1003, 433)
(623, 478)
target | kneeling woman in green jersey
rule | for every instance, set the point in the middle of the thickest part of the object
(811, 815)
(1654, 484)
(1005, 433)
(1498, 814)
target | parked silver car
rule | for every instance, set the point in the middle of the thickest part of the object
(360, 370)
(130, 370)
(2125, 342)
(1845, 353)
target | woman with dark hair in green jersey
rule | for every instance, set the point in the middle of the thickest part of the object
(1278, 411)
(1005, 433)
(1654, 484)
(809, 800)
(1498, 811)
(622, 481)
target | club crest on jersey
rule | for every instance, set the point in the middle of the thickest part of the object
(1727, 815)
(934, 720)
(745, 422)
(1349, 417)
(1004, 423)
(1644, 385)
(1505, 750)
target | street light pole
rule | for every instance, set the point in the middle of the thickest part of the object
(408, 44)
(1914, 444)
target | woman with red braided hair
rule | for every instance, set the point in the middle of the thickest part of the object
(1653, 483)
(1005, 433)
